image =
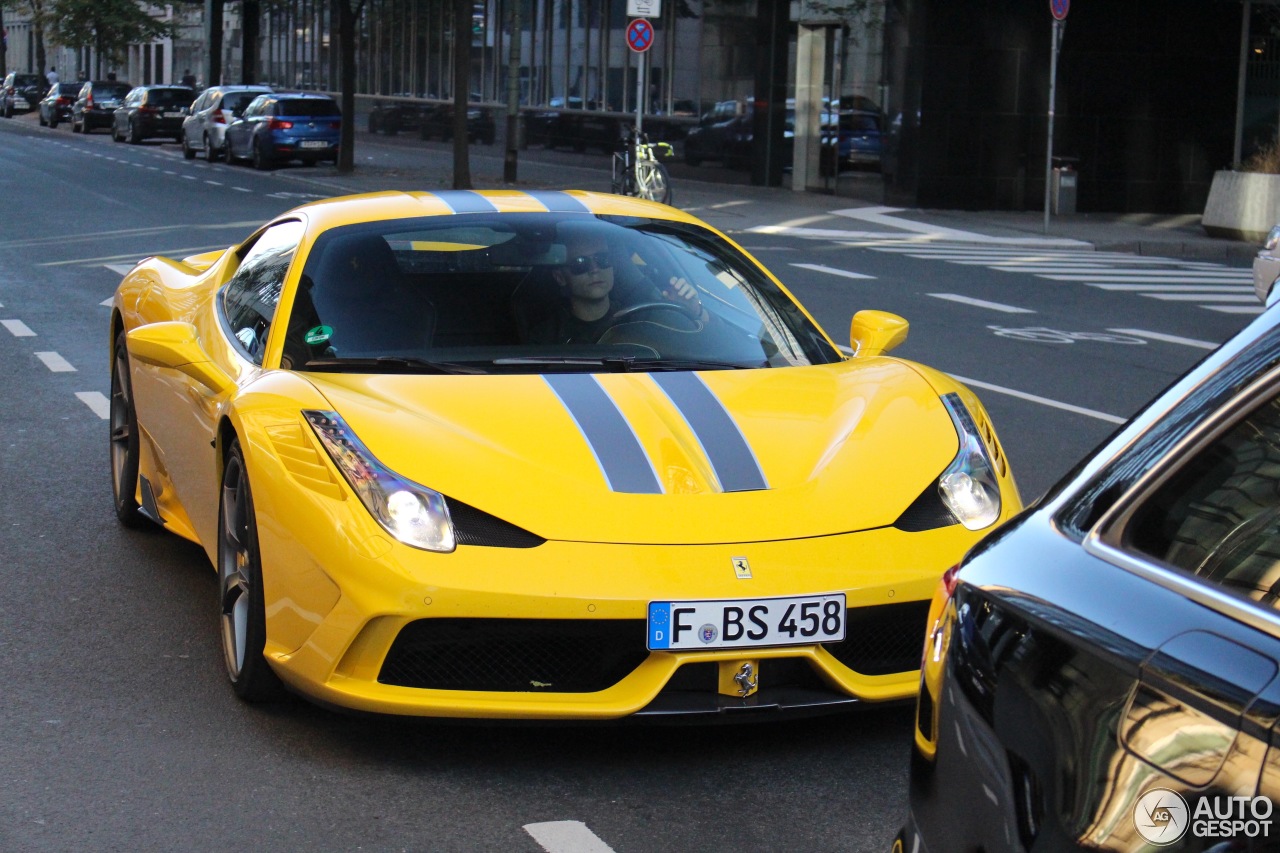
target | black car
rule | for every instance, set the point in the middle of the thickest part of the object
(56, 105)
(1103, 672)
(96, 104)
(151, 111)
(437, 120)
(391, 117)
(21, 92)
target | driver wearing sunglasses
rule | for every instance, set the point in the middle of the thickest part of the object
(586, 280)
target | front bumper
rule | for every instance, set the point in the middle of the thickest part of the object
(558, 631)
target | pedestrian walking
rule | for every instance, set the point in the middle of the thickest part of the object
(52, 76)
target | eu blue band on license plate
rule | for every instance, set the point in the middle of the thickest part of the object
(745, 623)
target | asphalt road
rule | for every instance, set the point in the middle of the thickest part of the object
(120, 732)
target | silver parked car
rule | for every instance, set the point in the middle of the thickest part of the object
(216, 108)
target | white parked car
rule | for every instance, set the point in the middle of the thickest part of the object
(216, 108)
(1266, 266)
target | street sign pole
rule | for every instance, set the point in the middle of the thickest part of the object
(640, 38)
(1059, 10)
(642, 60)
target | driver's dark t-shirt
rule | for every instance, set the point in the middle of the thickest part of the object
(564, 328)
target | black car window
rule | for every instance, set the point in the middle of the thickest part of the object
(169, 97)
(237, 101)
(107, 91)
(307, 107)
(1218, 516)
(71, 89)
(249, 300)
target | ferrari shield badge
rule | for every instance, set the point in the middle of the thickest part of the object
(741, 567)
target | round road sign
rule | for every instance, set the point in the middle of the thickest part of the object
(1059, 8)
(640, 35)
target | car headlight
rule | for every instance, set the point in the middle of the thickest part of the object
(969, 486)
(413, 514)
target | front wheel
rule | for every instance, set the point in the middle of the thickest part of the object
(124, 440)
(653, 182)
(241, 603)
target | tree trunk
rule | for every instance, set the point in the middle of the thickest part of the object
(510, 159)
(461, 92)
(213, 61)
(347, 18)
(4, 43)
(251, 12)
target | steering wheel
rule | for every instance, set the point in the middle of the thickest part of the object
(654, 306)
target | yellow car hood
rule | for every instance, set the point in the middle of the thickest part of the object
(717, 456)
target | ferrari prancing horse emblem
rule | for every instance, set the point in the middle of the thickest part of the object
(741, 567)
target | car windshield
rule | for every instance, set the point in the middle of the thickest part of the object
(506, 294)
(169, 97)
(308, 107)
(72, 89)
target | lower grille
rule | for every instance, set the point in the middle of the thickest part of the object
(515, 655)
(883, 639)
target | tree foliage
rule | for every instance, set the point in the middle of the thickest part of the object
(107, 26)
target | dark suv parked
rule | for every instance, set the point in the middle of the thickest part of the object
(96, 104)
(150, 111)
(21, 92)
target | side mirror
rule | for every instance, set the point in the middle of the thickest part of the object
(175, 345)
(874, 333)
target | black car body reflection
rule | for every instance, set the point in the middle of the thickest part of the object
(1103, 672)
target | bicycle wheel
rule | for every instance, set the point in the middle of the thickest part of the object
(653, 182)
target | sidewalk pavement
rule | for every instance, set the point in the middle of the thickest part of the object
(736, 207)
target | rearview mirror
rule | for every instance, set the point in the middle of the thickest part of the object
(876, 332)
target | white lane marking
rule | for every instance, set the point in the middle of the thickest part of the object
(96, 401)
(1124, 276)
(107, 302)
(566, 836)
(1179, 288)
(832, 270)
(880, 216)
(18, 329)
(241, 190)
(1204, 297)
(1168, 339)
(216, 184)
(55, 362)
(190, 178)
(119, 269)
(981, 303)
(1044, 401)
(1236, 309)
(1031, 398)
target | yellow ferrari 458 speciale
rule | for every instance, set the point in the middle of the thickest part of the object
(541, 455)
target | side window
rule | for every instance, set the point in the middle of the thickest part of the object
(249, 300)
(1218, 516)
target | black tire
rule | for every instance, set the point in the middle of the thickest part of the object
(210, 153)
(135, 133)
(188, 152)
(124, 441)
(75, 128)
(261, 161)
(226, 152)
(242, 622)
(43, 123)
(653, 182)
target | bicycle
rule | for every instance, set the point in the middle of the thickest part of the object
(637, 172)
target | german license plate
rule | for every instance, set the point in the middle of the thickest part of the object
(173, 114)
(314, 143)
(743, 623)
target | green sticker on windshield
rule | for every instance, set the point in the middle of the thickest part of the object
(318, 335)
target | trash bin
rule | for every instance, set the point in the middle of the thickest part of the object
(1064, 190)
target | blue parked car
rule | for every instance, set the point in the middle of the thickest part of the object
(278, 127)
(859, 139)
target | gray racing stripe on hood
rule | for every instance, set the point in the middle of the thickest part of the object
(466, 201)
(622, 460)
(726, 448)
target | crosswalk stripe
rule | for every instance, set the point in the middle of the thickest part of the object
(1169, 339)
(1175, 288)
(97, 401)
(1236, 309)
(832, 271)
(1203, 297)
(566, 836)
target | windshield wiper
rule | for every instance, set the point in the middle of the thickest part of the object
(626, 363)
(388, 364)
